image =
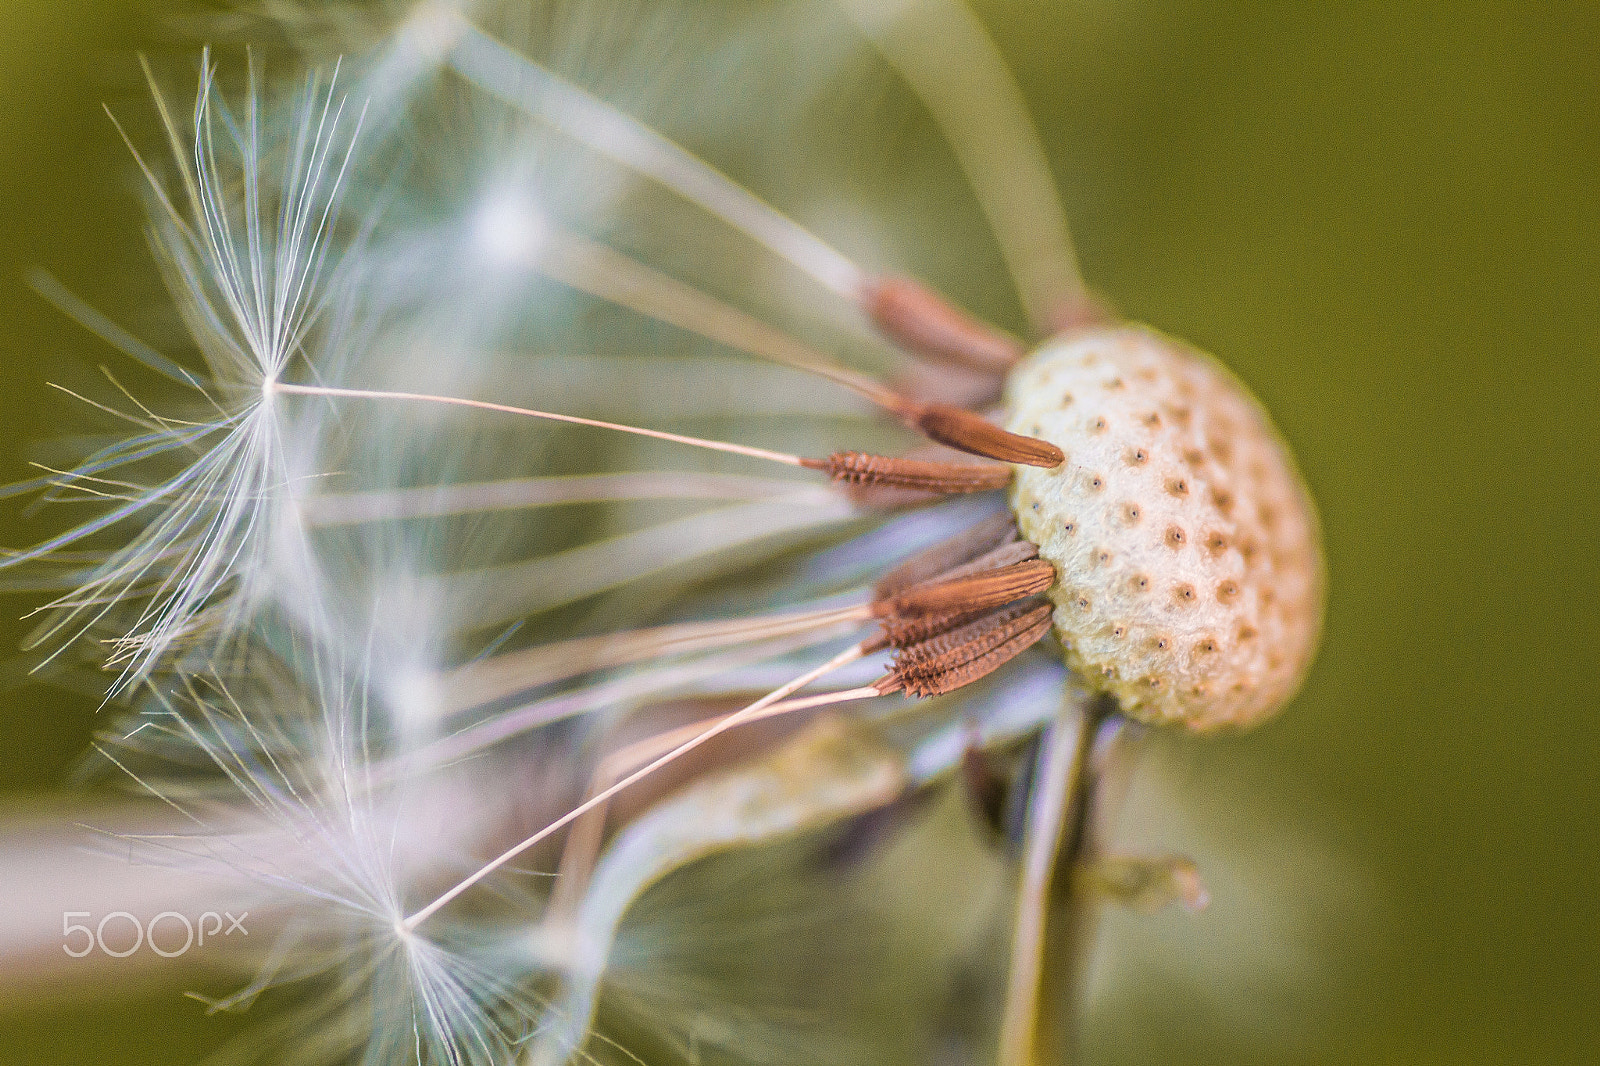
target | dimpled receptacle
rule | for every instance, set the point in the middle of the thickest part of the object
(1189, 558)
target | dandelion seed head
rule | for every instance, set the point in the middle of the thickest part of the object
(470, 611)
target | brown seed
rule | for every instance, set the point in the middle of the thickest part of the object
(924, 322)
(859, 468)
(964, 655)
(958, 646)
(906, 630)
(976, 435)
(973, 592)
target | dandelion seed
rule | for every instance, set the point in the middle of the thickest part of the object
(251, 279)
(300, 825)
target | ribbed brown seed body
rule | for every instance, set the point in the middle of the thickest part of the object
(965, 431)
(947, 662)
(904, 631)
(923, 322)
(860, 468)
(905, 622)
(930, 657)
(992, 588)
(949, 609)
(1188, 554)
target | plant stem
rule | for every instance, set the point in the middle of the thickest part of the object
(1039, 1023)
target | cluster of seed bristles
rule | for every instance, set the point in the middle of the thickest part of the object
(961, 609)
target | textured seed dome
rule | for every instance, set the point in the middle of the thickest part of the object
(1187, 548)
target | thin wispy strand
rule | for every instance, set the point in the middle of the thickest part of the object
(244, 246)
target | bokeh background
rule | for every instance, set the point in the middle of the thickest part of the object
(1385, 217)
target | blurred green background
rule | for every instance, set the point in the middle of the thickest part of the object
(1385, 217)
